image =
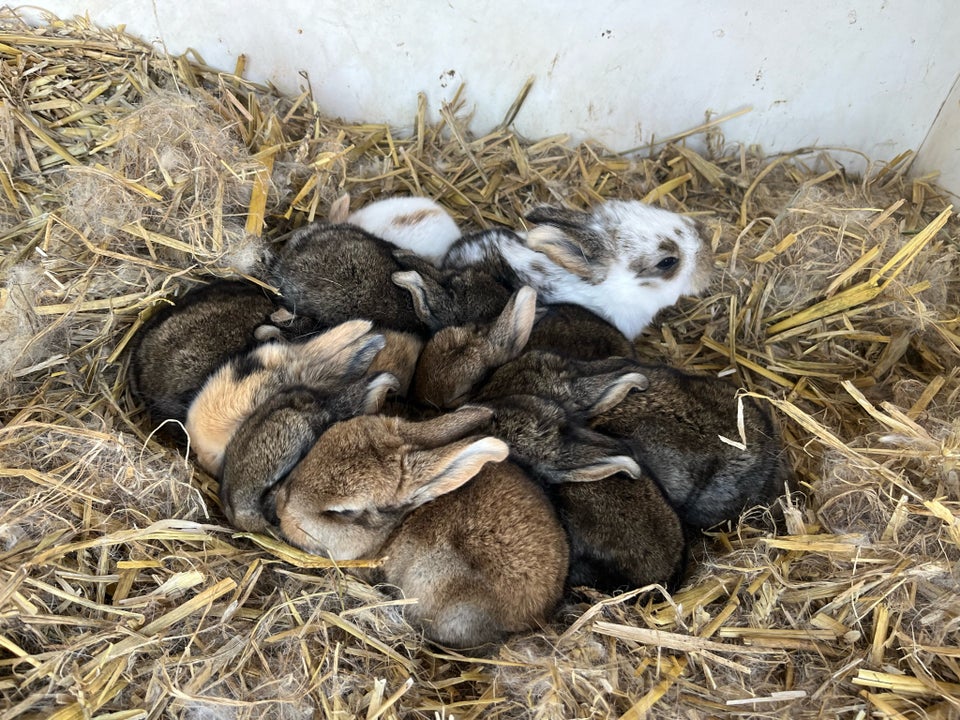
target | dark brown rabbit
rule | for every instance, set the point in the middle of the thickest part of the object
(575, 332)
(182, 344)
(686, 429)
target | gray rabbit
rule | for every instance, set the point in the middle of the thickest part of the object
(175, 351)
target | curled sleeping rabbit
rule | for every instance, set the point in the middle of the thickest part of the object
(418, 224)
(182, 344)
(268, 444)
(623, 260)
(468, 535)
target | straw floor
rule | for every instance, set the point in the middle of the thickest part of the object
(127, 175)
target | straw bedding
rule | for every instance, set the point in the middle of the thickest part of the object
(126, 176)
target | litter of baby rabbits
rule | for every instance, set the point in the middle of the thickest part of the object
(128, 176)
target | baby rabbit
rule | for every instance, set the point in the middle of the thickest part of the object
(483, 558)
(623, 533)
(672, 428)
(581, 386)
(575, 332)
(417, 224)
(181, 345)
(675, 428)
(336, 273)
(623, 260)
(552, 446)
(269, 443)
(454, 297)
(457, 358)
(243, 383)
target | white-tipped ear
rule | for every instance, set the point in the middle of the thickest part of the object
(614, 393)
(511, 330)
(447, 468)
(340, 209)
(378, 388)
(597, 471)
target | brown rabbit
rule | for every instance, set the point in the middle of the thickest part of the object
(622, 532)
(336, 273)
(269, 443)
(672, 428)
(579, 385)
(182, 344)
(483, 558)
(241, 385)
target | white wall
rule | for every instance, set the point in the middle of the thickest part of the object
(868, 75)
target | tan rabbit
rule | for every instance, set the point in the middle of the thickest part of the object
(237, 388)
(478, 545)
(182, 344)
(269, 443)
(457, 358)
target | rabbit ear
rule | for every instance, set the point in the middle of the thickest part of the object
(344, 351)
(511, 330)
(420, 289)
(340, 209)
(441, 470)
(378, 387)
(596, 471)
(599, 393)
(447, 428)
(568, 239)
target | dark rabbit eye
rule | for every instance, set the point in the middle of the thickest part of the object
(667, 263)
(343, 514)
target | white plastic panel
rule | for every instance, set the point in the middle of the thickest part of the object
(867, 75)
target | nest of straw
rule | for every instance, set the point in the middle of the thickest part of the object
(126, 176)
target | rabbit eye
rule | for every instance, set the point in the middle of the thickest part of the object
(667, 263)
(342, 513)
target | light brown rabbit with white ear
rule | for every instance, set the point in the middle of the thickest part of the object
(477, 544)
(240, 386)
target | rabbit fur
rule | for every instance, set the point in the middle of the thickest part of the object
(418, 224)
(182, 344)
(243, 383)
(623, 260)
(268, 444)
(471, 537)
